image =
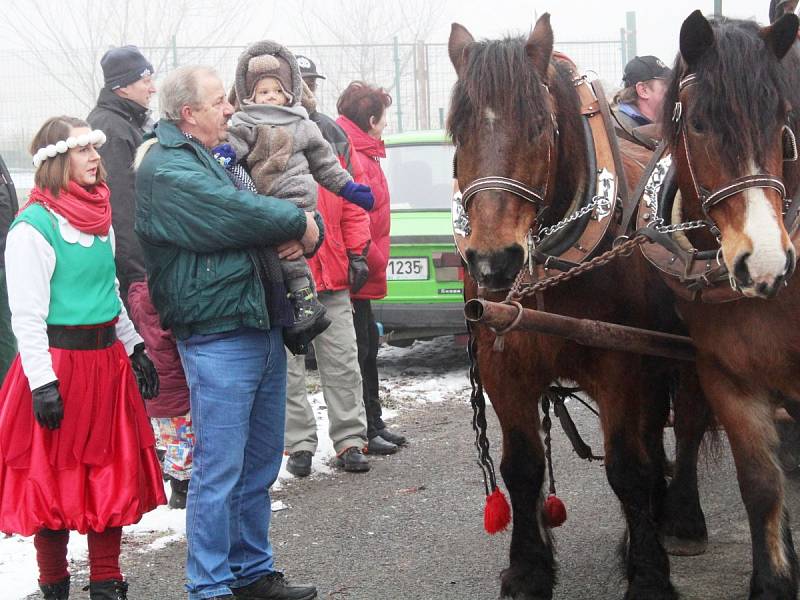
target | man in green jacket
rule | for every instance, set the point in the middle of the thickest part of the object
(199, 228)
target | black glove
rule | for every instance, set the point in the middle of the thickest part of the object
(358, 270)
(145, 371)
(48, 407)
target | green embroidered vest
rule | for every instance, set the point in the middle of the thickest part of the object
(82, 288)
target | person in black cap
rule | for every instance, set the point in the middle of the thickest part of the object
(122, 112)
(638, 103)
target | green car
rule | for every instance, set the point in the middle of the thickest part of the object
(425, 276)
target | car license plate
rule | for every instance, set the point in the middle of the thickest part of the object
(407, 268)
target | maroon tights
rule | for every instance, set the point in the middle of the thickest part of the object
(51, 554)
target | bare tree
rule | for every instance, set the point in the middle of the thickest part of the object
(65, 40)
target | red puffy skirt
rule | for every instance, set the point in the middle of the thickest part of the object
(99, 469)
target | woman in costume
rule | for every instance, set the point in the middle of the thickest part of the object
(76, 448)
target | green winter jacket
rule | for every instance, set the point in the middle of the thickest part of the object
(197, 233)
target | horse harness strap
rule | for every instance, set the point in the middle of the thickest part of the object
(503, 184)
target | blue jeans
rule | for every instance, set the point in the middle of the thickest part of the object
(237, 386)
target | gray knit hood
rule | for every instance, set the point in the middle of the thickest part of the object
(258, 49)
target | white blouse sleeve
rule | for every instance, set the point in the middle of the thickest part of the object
(30, 262)
(126, 332)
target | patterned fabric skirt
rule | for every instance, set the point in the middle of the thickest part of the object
(175, 436)
(99, 469)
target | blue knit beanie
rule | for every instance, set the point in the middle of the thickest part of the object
(123, 66)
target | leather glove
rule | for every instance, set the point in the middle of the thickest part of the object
(145, 371)
(358, 270)
(358, 194)
(48, 407)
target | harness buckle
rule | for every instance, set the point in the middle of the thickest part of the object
(677, 112)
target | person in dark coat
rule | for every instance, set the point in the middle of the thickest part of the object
(9, 205)
(123, 113)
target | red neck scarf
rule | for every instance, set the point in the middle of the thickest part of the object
(87, 210)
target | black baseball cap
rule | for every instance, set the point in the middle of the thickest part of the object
(644, 68)
(307, 67)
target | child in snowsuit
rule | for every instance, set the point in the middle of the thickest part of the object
(286, 156)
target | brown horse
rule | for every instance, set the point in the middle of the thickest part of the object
(730, 98)
(515, 114)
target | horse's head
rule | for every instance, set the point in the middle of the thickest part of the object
(724, 120)
(503, 122)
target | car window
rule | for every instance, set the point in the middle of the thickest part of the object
(420, 177)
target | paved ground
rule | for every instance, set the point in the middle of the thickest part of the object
(411, 528)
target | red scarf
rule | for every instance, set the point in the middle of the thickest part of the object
(87, 209)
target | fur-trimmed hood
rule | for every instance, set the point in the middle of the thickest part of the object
(261, 48)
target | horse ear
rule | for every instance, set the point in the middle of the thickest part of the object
(780, 36)
(457, 45)
(539, 46)
(696, 37)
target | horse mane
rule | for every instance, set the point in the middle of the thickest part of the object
(741, 88)
(499, 76)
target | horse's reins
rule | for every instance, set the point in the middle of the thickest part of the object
(709, 200)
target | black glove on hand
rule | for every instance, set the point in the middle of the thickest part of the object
(145, 371)
(48, 407)
(358, 271)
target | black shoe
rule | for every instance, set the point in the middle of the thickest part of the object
(177, 499)
(275, 587)
(299, 463)
(378, 445)
(307, 308)
(108, 589)
(395, 438)
(352, 460)
(299, 341)
(55, 591)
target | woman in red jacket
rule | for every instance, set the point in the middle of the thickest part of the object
(362, 109)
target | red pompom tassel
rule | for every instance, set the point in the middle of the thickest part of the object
(497, 512)
(555, 513)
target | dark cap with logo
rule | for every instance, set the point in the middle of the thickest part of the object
(644, 68)
(123, 66)
(307, 67)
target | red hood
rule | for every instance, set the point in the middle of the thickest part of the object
(361, 140)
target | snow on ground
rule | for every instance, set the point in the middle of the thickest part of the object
(426, 371)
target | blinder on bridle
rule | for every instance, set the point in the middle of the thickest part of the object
(709, 199)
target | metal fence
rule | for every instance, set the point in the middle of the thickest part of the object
(419, 77)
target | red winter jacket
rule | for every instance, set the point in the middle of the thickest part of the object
(346, 228)
(370, 151)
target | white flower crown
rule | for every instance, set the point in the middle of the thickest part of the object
(96, 137)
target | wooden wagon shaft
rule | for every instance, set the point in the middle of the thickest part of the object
(583, 331)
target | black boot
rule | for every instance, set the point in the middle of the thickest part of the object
(55, 591)
(177, 499)
(378, 445)
(108, 589)
(390, 436)
(299, 463)
(352, 460)
(307, 308)
(274, 587)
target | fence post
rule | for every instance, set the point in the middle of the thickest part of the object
(397, 102)
(717, 8)
(630, 17)
(174, 51)
(423, 86)
(623, 46)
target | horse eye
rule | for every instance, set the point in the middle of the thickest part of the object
(697, 125)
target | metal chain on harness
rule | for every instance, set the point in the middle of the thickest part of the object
(520, 290)
(597, 202)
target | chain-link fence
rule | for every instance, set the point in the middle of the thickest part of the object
(418, 76)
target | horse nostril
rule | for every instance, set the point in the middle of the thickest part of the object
(741, 272)
(791, 262)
